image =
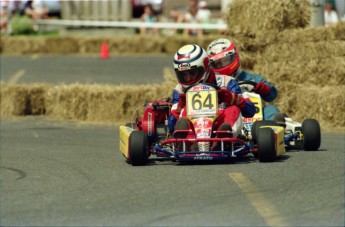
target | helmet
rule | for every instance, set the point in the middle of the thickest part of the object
(224, 57)
(191, 65)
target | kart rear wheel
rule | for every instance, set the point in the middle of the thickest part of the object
(266, 145)
(138, 150)
(311, 134)
(257, 124)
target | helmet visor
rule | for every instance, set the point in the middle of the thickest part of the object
(190, 76)
(222, 62)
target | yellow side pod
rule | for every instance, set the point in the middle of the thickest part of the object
(125, 132)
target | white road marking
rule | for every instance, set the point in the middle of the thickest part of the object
(266, 210)
(15, 77)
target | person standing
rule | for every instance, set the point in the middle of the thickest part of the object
(331, 15)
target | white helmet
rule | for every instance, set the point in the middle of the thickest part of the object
(191, 64)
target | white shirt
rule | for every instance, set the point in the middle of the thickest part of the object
(331, 18)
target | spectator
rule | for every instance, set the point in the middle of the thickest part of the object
(4, 15)
(178, 15)
(204, 14)
(36, 9)
(148, 17)
(191, 17)
(331, 15)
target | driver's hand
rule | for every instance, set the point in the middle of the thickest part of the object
(231, 98)
(262, 89)
(225, 95)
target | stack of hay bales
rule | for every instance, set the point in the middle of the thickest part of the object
(307, 65)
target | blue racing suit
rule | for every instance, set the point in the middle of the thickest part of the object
(269, 111)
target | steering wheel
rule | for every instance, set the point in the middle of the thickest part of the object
(247, 85)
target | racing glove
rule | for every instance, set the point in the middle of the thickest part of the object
(231, 98)
(180, 105)
(262, 89)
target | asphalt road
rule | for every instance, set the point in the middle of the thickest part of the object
(59, 173)
(77, 69)
(67, 174)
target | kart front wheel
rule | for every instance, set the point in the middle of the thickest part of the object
(311, 134)
(257, 124)
(266, 145)
(138, 153)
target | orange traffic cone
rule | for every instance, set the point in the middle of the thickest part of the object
(104, 51)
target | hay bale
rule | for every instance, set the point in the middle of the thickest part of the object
(36, 99)
(303, 51)
(13, 100)
(326, 104)
(99, 103)
(88, 45)
(17, 45)
(19, 100)
(68, 102)
(301, 35)
(338, 30)
(266, 18)
(326, 71)
(61, 45)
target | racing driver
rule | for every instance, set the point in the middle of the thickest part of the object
(191, 65)
(225, 59)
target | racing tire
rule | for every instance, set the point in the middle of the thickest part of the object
(266, 145)
(138, 149)
(311, 135)
(257, 124)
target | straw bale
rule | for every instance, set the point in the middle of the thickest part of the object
(326, 104)
(100, 103)
(303, 51)
(61, 45)
(19, 45)
(36, 99)
(339, 30)
(67, 102)
(309, 34)
(265, 18)
(91, 45)
(20, 100)
(13, 100)
(321, 72)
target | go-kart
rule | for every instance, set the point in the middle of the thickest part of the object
(149, 135)
(305, 135)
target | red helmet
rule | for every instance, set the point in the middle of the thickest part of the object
(224, 57)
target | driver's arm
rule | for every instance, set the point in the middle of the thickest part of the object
(248, 109)
(261, 89)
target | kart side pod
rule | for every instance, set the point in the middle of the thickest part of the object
(125, 132)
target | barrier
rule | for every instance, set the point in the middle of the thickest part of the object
(117, 10)
(130, 24)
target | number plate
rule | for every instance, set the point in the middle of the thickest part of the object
(202, 100)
